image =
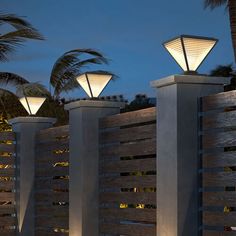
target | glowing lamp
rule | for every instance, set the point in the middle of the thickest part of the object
(190, 51)
(32, 104)
(93, 83)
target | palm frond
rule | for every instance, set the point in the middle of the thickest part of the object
(15, 21)
(214, 3)
(89, 51)
(70, 85)
(7, 78)
(32, 89)
(5, 92)
(10, 41)
(223, 71)
(69, 65)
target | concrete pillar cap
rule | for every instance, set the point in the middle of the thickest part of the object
(94, 103)
(32, 119)
(190, 79)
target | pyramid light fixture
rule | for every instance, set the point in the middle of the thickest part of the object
(190, 51)
(32, 104)
(94, 83)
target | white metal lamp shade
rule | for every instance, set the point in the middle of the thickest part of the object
(93, 84)
(190, 51)
(32, 104)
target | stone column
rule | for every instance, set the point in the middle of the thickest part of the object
(178, 199)
(84, 157)
(26, 129)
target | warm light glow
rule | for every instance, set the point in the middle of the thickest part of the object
(93, 84)
(32, 104)
(190, 51)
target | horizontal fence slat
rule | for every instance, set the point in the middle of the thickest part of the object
(219, 218)
(128, 134)
(219, 100)
(7, 221)
(128, 229)
(49, 232)
(220, 179)
(128, 181)
(219, 139)
(53, 171)
(52, 210)
(10, 232)
(219, 120)
(141, 148)
(55, 145)
(50, 196)
(52, 133)
(51, 157)
(7, 147)
(148, 164)
(130, 214)
(129, 118)
(7, 160)
(10, 184)
(7, 209)
(225, 198)
(218, 233)
(220, 159)
(7, 196)
(7, 172)
(60, 222)
(49, 183)
(7, 136)
(128, 197)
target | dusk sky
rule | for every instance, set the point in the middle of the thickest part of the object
(129, 32)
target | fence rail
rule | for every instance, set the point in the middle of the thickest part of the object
(219, 164)
(128, 174)
(7, 184)
(52, 182)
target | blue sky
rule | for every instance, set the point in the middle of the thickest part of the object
(129, 32)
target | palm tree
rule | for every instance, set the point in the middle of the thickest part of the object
(23, 30)
(69, 66)
(226, 71)
(231, 5)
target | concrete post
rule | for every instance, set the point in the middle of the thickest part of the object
(178, 181)
(84, 156)
(25, 129)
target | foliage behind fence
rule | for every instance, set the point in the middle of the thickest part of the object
(128, 174)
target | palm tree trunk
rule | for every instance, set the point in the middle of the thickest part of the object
(232, 17)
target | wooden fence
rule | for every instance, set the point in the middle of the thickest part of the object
(128, 174)
(219, 164)
(7, 184)
(52, 182)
